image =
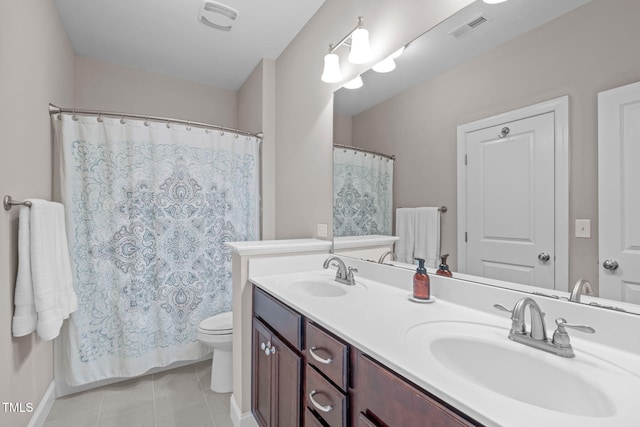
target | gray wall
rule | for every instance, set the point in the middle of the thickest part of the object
(589, 50)
(36, 68)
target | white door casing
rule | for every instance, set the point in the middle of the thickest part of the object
(619, 192)
(515, 219)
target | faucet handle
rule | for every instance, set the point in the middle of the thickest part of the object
(502, 308)
(562, 323)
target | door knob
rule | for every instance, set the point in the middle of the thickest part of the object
(610, 264)
(544, 257)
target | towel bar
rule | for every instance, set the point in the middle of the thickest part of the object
(9, 203)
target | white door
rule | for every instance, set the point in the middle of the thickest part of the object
(510, 200)
(619, 193)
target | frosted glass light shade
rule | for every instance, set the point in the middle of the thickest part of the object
(494, 1)
(397, 53)
(354, 83)
(360, 50)
(331, 72)
(386, 65)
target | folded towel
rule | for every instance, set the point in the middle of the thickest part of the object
(427, 237)
(45, 248)
(405, 230)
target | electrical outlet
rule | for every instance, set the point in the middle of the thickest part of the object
(322, 230)
(583, 228)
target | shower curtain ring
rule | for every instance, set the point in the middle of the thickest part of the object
(146, 121)
(235, 136)
(221, 133)
(207, 131)
(188, 125)
(122, 120)
(99, 119)
(73, 116)
(168, 125)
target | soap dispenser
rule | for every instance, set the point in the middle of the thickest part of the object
(421, 288)
(443, 269)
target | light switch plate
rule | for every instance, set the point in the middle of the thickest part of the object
(322, 230)
(583, 228)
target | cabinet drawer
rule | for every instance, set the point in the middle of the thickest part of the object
(327, 354)
(329, 402)
(281, 318)
(384, 396)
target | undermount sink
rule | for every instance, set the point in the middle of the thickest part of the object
(483, 355)
(322, 287)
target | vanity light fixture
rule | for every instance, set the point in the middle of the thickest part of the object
(354, 83)
(494, 1)
(388, 64)
(360, 52)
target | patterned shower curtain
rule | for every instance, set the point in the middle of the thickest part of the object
(362, 193)
(149, 208)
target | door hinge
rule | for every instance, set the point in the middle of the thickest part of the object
(465, 237)
(465, 159)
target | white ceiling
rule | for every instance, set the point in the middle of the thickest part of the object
(164, 36)
(436, 51)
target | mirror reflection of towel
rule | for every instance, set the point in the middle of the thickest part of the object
(419, 233)
(405, 230)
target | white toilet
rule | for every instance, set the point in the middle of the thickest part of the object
(217, 332)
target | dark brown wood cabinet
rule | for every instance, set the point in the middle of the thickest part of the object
(294, 358)
(277, 375)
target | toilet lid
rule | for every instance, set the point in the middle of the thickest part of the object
(218, 324)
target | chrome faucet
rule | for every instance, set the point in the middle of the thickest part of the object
(384, 255)
(560, 343)
(344, 274)
(582, 287)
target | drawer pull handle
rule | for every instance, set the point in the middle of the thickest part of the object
(318, 358)
(318, 406)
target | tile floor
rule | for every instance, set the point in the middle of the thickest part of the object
(179, 397)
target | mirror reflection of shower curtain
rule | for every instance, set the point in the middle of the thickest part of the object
(149, 210)
(362, 193)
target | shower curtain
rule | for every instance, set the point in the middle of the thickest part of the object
(362, 193)
(149, 207)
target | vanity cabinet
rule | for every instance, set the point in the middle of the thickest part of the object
(277, 363)
(304, 375)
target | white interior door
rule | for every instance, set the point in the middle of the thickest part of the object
(510, 197)
(619, 193)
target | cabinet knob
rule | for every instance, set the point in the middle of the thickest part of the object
(318, 406)
(263, 346)
(270, 350)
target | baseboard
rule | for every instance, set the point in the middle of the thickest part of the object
(239, 419)
(44, 407)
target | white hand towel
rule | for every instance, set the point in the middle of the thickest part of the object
(24, 316)
(51, 280)
(405, 230)
(427, 237)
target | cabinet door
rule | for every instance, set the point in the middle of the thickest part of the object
(287, 384)
(262, 372)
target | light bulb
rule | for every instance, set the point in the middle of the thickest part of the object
(354, 83)
(331, 72)
(385, 66)
(360, 50)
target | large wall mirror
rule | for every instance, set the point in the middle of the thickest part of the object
(483, 62)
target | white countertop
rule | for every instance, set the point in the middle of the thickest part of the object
(376, 319)
(268, 247)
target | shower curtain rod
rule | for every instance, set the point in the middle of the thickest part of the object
(53, 109)
(349, 147)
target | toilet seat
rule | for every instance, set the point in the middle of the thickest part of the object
(220, 324)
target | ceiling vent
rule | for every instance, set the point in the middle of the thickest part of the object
(217, 15)
(464, 29)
